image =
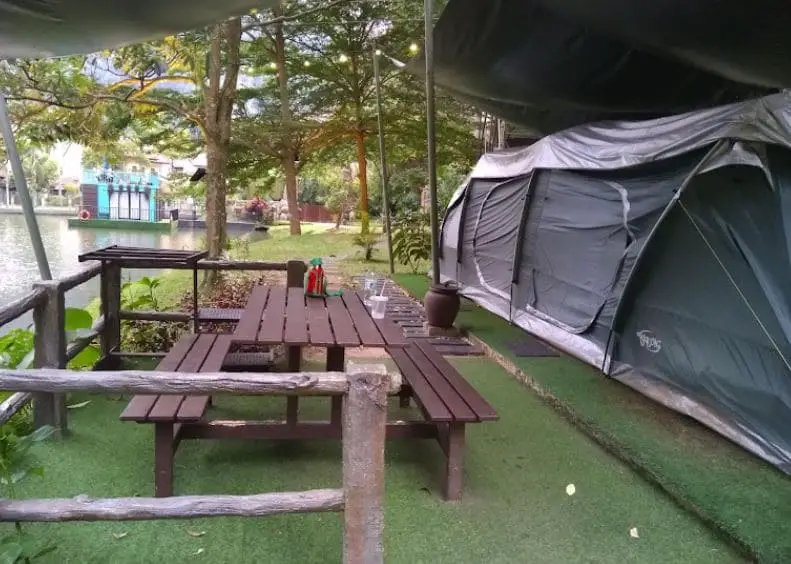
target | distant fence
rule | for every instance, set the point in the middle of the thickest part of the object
(315, 213)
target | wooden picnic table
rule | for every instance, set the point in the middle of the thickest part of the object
(281, 316)
(285, 316)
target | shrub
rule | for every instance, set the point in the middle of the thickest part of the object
(412, 239)
(367, 242)
(146, 336)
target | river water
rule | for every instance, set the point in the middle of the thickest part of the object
(18, 268)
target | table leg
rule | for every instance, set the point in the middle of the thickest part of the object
(454, 452)
(336, 362)
(164, 448)
(292, 402)
(403, 396)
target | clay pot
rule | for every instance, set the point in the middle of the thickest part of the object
(442, 304)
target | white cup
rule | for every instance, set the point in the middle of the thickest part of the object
(378, 306)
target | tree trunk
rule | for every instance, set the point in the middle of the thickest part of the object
(215, 200)
(288, 152)
(363, 176)
(218, 99)
(290, 170)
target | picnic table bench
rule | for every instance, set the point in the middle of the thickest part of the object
(170, 413)
(445, 399)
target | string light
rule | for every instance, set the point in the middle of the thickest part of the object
(378, 52)
(413, 48)
(343, 59)
(273, 66)
(306, 64)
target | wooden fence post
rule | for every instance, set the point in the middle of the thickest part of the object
(295, 274)
(50, 352)
(364, 422)
(111, 309)
(295, 278)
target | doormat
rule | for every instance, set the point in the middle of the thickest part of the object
(530, 346)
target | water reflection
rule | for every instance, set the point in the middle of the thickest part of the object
(63, 245)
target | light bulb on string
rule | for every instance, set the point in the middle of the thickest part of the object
(413, 48)
(378, 52)
(343, 59)
(306, 64)
(273, 66)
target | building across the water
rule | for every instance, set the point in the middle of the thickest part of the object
(120, 195)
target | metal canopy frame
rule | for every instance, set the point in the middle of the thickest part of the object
(145, 257)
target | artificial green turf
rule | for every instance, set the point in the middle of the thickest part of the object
(515, 506)
(747, 499)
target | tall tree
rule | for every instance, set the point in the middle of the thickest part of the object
(188, 80)
(340, 41)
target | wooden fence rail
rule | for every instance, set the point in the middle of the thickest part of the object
(20, 307)
(364, 390)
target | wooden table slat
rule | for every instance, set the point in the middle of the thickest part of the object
(432, 405)
(457, 406)
(365, 326)
(175, 355)
(166, 408)
(296, 332)
(138, 408)
(472, 398)
(247, 328)
(271, 332)
(193, 407)
(200, 350)
(342, 326)
(390, 331)
(319, 323)
(219, 351)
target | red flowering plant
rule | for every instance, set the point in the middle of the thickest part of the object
(257, 208)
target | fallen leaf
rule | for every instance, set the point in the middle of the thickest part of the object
(633, 533)
(198, 552)
(571, 489)
(119, 536)
(78, 405)
(196, 534)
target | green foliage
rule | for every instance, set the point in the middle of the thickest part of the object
(14, 347)
(16, 465)
(17, 346)
(78, 324)
(367, 242)
(146, 336)
(412, 239)
(116, 152)
(41, 172)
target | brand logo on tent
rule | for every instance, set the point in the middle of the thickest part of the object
(649, 341)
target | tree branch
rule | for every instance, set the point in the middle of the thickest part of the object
(281, 19)
(47, 102)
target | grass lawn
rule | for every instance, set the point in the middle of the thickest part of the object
(515, 507)
(744, 497)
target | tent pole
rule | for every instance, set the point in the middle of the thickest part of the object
(24, 194)
(382, 156)
(431, 117)
(616, 316)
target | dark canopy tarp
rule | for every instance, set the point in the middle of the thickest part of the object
(551, 64)
(46, 28)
